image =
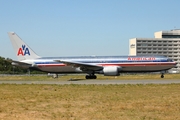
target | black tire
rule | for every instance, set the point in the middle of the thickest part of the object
(87, 77)
(91, 77)
(162, 76)
(94, 77)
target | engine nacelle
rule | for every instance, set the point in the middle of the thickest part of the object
(111, 71)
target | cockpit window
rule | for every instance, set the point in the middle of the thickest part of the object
(170, 60)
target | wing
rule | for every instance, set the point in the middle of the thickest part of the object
(82, 66)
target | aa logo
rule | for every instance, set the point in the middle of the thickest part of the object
(23, 51)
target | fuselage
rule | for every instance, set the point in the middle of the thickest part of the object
(126, 63)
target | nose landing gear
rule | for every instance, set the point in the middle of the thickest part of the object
(162, 75)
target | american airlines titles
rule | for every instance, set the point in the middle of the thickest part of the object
(141, 58)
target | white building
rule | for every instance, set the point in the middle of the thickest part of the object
(166, 43)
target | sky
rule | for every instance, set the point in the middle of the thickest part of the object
(83, 27)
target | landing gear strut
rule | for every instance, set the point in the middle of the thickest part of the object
(91, 76)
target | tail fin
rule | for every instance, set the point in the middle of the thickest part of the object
(22, 50)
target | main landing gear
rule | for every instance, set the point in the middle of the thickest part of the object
(91, 76)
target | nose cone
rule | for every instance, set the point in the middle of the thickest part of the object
(175, 65)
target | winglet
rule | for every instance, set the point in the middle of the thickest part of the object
(22, 50)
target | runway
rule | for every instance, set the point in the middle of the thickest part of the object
(89, 82)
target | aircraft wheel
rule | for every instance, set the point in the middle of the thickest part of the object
(91, 76)
(162, 76)
(87, 76)
(94, 77)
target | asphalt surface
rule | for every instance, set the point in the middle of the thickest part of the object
(98, 82)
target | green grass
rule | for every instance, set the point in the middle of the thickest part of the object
(86, 102)
(100, 77)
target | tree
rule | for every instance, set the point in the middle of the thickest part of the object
(7, 68)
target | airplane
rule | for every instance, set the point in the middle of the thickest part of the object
(91, 65)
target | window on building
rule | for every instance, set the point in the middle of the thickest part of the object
(143, 44)
(170, 36)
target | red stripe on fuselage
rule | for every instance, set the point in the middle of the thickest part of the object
(138, 64)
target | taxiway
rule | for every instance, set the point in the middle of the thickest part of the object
(88, 82)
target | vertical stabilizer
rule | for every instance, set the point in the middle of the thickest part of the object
(22, 50)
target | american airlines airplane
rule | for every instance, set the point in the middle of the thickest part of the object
(106, 65)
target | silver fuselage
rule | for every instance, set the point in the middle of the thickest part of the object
(127, 63)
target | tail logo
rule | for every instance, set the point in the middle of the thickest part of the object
(23, 51)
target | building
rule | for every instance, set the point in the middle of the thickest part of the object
(166, 43)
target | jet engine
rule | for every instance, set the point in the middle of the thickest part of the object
(111, 71)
